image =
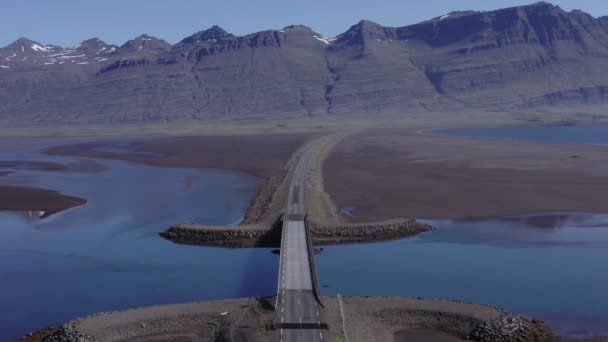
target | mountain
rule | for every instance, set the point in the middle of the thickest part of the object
(508, 59)
(146, 45)
(210, 35)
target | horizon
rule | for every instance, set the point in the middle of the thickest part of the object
(65, 18)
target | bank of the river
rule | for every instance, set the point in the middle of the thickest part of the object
(37, 201)
(360, 318)
(41, 201)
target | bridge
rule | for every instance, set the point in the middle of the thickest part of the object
(297, 313)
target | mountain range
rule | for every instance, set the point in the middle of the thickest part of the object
(504, 60)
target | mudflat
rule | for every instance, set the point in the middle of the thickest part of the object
(387, 173)
(82, 166)
(260, 155)
(16, 198)
(31, 165)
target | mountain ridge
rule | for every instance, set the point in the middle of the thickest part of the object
(507, 59)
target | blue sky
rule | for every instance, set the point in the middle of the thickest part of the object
(67, 22)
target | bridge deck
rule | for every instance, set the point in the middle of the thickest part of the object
(296, 265)
(297, 311)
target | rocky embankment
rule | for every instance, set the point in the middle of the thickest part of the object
(255, 235)
(366, 232)
(269, 235)
(261, 205)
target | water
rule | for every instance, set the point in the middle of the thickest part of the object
(107, 255)
(554, 273)
(583, 134)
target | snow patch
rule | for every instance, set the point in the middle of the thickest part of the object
(325, 40)
(49, 63)
(22, 48)
(282, 31)
(78, 56)
(444, 17)
(83, 63)
(37, 47)
(112, 50)
(5, 67)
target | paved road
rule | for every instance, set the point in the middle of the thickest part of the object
(297, 314)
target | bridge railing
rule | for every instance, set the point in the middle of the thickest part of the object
(311, 261)
(279, 294)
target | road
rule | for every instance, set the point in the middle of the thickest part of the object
(297, 311)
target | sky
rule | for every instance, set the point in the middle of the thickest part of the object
(68, 22)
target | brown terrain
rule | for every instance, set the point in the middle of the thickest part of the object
(15, 198)
(249, 319)
(259, 155)
(31, 165)
(405, 173)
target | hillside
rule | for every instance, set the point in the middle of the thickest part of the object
(508, 59)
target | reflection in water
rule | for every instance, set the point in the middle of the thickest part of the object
(540, 272)
(107, 255)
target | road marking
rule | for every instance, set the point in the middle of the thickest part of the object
(282, 309)
(321, 335)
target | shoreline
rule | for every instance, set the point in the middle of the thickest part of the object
(251, 318)
(43, 201)
(442, 172)
(262, 224)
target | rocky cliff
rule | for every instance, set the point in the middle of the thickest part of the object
(520, 57)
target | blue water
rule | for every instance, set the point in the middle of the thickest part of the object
(107, 255)
(550, 273)
(583, 134)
